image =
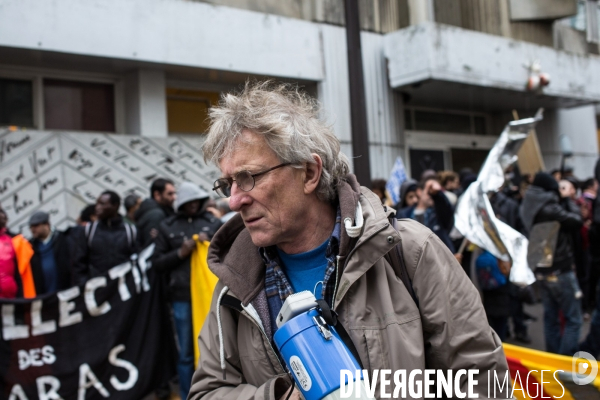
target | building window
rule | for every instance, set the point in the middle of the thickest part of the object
(16, 102)
(421, 119)
(187, 110)
(79, 106)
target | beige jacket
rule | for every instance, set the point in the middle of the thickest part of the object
(447, 330)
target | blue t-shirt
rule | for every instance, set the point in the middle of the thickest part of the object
(304, 270)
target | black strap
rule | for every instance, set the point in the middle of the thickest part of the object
(232, 302)
(330, 317)
(396, 260)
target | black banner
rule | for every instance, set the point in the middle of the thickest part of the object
(110, 338)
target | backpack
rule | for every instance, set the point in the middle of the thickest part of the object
(130, 230)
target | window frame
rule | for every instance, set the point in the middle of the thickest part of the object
(37, 76)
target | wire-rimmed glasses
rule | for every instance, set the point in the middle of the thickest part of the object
(244, 180)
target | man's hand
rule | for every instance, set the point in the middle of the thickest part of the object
(202, 237)
(567, 190)
(432, 187)
(186, 248)
(153, 233)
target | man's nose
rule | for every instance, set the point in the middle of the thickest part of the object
(238, 198)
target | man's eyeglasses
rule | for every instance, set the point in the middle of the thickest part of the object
(244, 180)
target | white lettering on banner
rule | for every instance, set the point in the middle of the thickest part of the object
(36, 357)
(17, 393)
(117, 362)
(50, 393)
(10, 331)
(90, 297)
(87, 379)
(66, 306)
(37, 326)
(136, 279)
(144, 266)
(120, 271)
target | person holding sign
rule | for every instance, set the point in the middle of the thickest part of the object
(172, 257)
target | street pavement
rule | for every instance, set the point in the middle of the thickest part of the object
(536, 328)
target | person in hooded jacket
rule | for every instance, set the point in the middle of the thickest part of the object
(154, 210)
(560, 289)
(432, 210)
(408, 195)
(172, 257)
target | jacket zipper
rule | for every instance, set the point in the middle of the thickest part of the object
(348, 259)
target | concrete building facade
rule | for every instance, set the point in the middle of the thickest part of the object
(441, 77)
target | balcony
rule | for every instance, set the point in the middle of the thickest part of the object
(447, 66)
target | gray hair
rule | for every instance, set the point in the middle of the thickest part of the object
(289, 122)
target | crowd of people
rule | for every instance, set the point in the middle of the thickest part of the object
(53, 260)
(567, 283)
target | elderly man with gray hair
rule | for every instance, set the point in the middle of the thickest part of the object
(305, 223)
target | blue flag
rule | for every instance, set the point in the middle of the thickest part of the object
(397, 177)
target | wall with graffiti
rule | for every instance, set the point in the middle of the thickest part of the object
(61, 173)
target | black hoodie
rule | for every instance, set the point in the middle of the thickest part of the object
(148, 217)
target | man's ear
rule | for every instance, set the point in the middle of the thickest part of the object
(313, 174)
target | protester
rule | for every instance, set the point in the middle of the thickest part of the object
(378, 187)
(88, 214)
(588, 274)
(225, 210)
(408, 195)
(51, 260)
(506, 209)
(11, 285)
(285, 175)
(172, 256)
(155, 210)
(591, 344)
(432, 210)
(106, 243)
(132, 203)
(15, 250)
(492, 274)
(559, 287)
(450, 184)
(594, 238)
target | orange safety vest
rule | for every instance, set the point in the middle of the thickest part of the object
(24, 252)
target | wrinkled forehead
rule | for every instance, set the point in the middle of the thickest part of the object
(248, 149)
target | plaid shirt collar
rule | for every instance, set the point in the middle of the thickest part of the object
(277, 286)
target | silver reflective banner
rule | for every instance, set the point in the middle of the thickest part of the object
(474, 217)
